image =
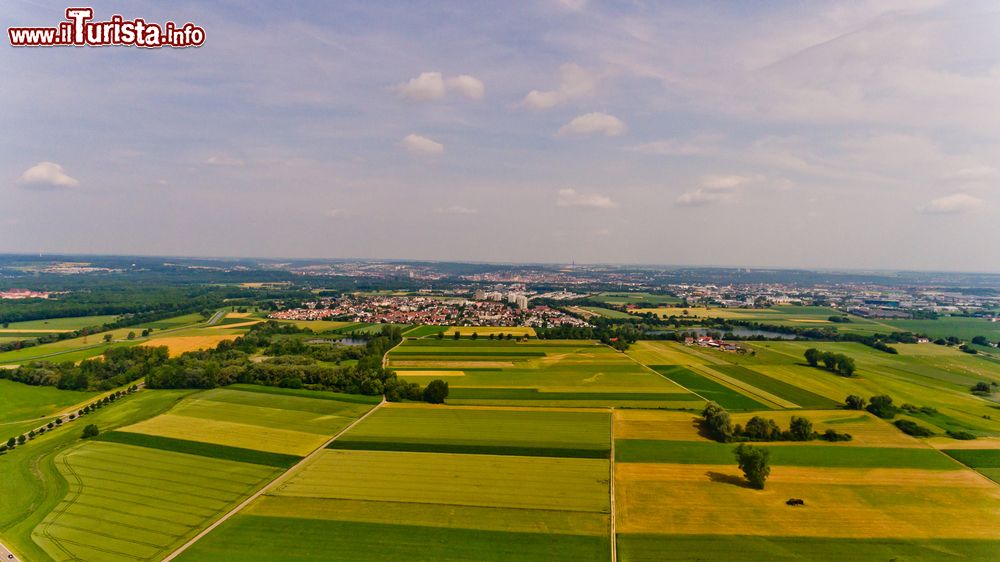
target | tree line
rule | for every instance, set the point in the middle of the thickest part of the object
(833, 362)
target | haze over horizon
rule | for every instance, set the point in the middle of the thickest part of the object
(830, 135)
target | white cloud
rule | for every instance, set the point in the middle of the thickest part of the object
(722, 189)
(456, 210)
(47, 175)
(467, 86)
(594, 123)
(956, 203)
(416, 143)
(574, 82)
(697, 145)
(975, 173)
(426, 87)
(433, 86)
(571, 198)
(338, 213)
(222, 160)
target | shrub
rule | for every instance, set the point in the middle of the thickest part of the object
(90, 431)
(960, 435)
(833, 436)
(910, 428)
(855, 402)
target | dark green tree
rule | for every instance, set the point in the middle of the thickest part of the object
(855, 402)
(882, 407)
(812, 356)
(755, 464)
(436, 391)
(801, 429)
(90, 431)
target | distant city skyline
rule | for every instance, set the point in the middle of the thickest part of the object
(860, 136)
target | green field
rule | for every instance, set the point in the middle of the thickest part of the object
(30, 483)
(497, 432)
(275, 423)
(86, 347)
(606, 312)
(25, 403)
(60, 324)
(282, 538)
(963, 328)
(637, 298)
(492, 504)
(135, 493)
(539, 373)
(127, 503)
(708, 388)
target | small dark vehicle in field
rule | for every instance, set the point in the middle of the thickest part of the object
(795, 501)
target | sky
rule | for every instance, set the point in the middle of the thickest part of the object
(769, 134)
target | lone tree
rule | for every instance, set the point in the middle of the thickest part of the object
(754, 462)
(436, 391)
(855, 402)
(90, 431)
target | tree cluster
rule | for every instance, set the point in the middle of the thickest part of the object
(717, 424)
(833, 362)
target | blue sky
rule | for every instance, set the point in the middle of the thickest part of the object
(805, 134)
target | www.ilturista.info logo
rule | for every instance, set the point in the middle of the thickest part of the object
(79, 31)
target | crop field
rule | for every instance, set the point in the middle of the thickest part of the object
(86, 347)
(273, 423)
(775, 375)
(964, 328)
(165, 464)
(678, 493)
(605, 312)
(642, 299)
(128, 503)
(405, 427)
(52, 325)
(183, 344)
(782, 315)
(485, 331)
(389, 504)
(540, 373)
(21, 402)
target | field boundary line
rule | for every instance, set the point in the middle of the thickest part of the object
(614, 523)
(270, 485)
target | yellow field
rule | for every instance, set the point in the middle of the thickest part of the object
(657, 424)
(942, 442)
(516, 331)
(701, 312)
(238, 325)
(855, 503)
(229, 433)
(183, 344)
(458, 364)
